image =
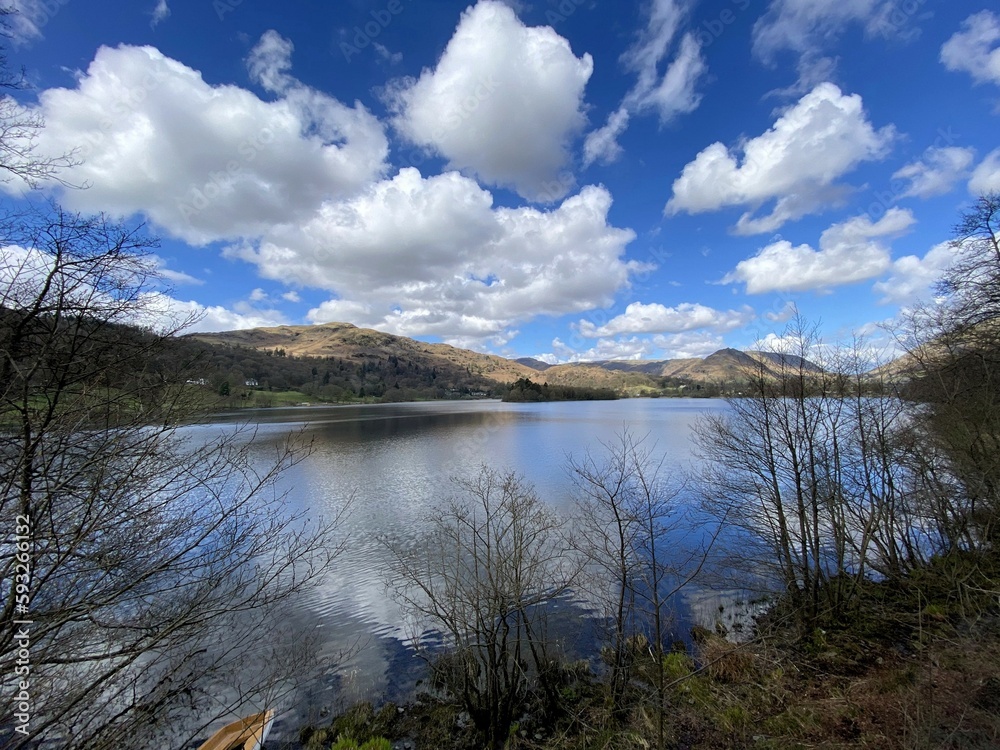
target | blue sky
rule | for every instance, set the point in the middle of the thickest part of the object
(562, 179)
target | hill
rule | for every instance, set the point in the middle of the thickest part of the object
(347, 341)
(365, 362)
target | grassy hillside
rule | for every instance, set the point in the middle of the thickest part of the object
(352, 362)
(348, 342)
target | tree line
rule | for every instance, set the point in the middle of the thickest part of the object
(526, 390)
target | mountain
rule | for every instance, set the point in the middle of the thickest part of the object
(725, 365)
(348, 342)
(534, 364)
(385, 357)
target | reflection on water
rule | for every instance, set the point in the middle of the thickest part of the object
(396, 460)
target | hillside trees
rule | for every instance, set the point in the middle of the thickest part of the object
(151, 559)
(838, 475)
(811, 465)
(955, 347)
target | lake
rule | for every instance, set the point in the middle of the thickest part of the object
(397, 460)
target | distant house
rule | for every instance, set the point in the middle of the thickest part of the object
(197, 381)
(250, 383)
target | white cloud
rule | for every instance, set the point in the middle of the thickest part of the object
(160, 13)
(166, 313)
(848, 252)
(174, 277)
(656, 318)
(670, 94)
(29, 17)
(673, 92)
(270, 61)
(810, 28)
(386, 54)
(601, 145)
(804, 25)
(784, 343)
(782, 315)
(937, 172)
(25, 274)
(976, 48)
(912, 278)
(796, 162)
(432, 256)
(687, 345)
(986, 177)
(677, 346)
(503, 103)
(291, 296)
(605, 349)
(203, 162)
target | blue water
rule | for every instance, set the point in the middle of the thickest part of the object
(395, 461)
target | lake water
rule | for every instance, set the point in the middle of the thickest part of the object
(397, 460)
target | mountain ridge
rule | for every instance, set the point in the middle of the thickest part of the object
(348, 341)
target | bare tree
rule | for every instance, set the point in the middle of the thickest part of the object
(954, 346)
(148, 563)
(815, 464)
(20, 127)
(482, 575)
(626, 528)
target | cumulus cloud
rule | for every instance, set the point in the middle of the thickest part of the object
(164, 312)
(669, 94)
(937, 172)
(986, 177)
(656, 318)
(503, 103)
(796, 162)
(976, 48)
(848, 252)
(204, 162)
(606, 349)
(433, 256)
(912, 279)
(676, 346)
